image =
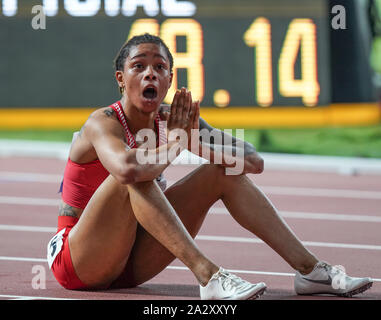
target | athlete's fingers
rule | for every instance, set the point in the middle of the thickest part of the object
(196, 116)
(187, 108)
(174, 104)
(192, 111)
(180, 107)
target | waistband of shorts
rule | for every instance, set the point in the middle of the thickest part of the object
(66, 222)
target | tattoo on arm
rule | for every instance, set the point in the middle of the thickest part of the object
(109, 112)
(68, 211)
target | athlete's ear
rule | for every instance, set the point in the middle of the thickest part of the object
(119, 78)
(170, 79)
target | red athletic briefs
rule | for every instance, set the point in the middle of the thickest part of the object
(59, 251)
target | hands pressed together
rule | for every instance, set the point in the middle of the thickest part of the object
(183, 126)
(183, 119)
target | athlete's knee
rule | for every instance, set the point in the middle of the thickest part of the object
(142, 185)
(259, 165)
(149, 188)
(114, 186)
(220, 175)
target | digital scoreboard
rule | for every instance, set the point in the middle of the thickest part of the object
(229, 53)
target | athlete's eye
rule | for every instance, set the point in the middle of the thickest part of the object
(161, 66)
(138, 66)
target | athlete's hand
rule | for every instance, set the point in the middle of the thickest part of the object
(243, 164)
(183, 117)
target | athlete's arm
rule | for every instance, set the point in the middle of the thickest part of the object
(229, 149)
(183, 117)
(107, 136)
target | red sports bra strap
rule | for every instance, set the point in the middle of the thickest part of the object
(117, 107)
(122, 119)
(161, 129)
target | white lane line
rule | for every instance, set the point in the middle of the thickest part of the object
(320, 192)
(29, 201)
(306, 243)
(13, 297)
(268, 273)
(313, 216)
(275, 190)
(253, 240)
(8, 227)
(329, 216)
(3, 258)
(30, 177)
(213, 210)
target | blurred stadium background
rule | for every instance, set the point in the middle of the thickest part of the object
(301, 76)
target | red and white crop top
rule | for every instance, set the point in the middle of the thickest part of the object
(82, 180)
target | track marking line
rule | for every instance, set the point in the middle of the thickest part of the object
(23, 259)
(8, 227)
(29, 201)
(275, 190)
(320, 192)
(313, 216)
(306, 243)
(214, 210)
(267, 273)
(30, 177)
(14, 297)
(253, 240)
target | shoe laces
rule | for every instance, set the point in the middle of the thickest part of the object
(230, 281)
(331, 269)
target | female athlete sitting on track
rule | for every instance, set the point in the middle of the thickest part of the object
(118, 226)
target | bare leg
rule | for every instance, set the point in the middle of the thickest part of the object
(108, 227)
(101, 241)
(254, 211)
(163, 223)
(192, 197)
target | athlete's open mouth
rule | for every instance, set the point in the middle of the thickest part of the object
(150, 93)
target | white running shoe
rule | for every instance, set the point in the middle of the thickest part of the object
(325, 278)
(226, 286)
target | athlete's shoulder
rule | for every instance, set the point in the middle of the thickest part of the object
(102, 114)
(99, 120)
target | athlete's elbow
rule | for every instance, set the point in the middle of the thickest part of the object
(128, 175)
(259, 165)
(127, 171)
